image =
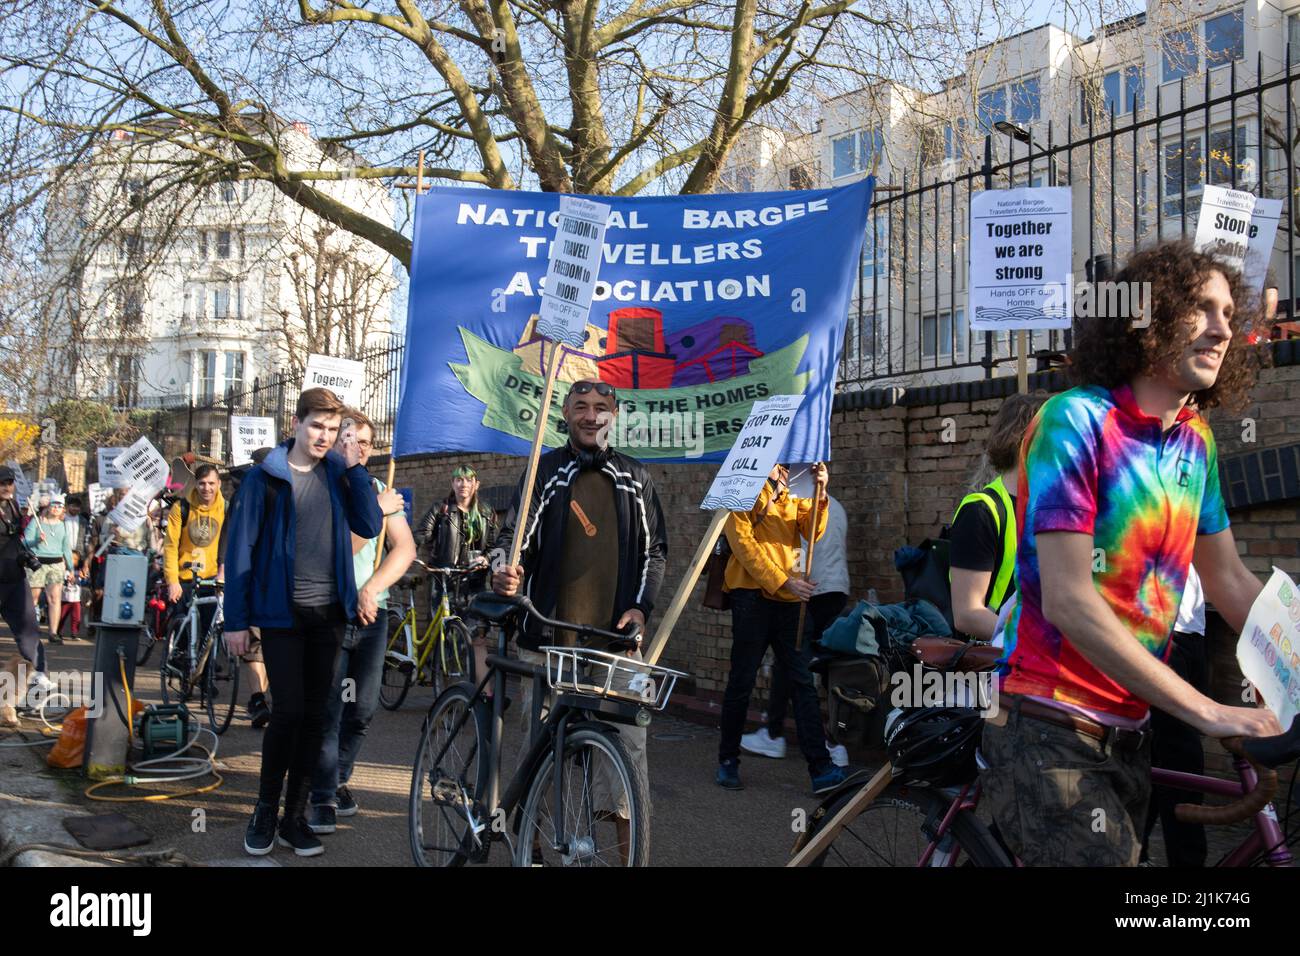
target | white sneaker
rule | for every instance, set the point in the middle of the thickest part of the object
(764, 744)
(839, 755)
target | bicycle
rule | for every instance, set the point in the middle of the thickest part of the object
(155, 626)
(205, 664)
(441, 656)
(456, 811)
(876, 820)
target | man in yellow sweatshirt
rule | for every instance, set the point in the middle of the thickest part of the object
(193, 537)
(766, 594)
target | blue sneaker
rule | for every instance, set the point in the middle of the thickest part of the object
(829, 779)
(729, 775)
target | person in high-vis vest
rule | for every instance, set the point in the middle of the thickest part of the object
(982, 552)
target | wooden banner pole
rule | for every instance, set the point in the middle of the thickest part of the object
(530, 475)
(823, 837)
(383, 532)
(656, 646)
(1022, 361)
(807, 568)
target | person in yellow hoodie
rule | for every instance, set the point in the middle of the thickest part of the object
(766, 593)
(194, 537)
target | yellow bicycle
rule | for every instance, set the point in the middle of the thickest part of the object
(439, 657)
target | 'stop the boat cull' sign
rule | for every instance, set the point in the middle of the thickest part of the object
(704, 305)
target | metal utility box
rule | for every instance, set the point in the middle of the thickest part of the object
(126, 591)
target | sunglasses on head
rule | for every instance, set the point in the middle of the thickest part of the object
(582, 388)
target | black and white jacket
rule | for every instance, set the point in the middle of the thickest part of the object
(643, 540)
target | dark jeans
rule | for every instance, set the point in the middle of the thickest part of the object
(1177, 746)
(823, 609)
(757, 622)
(351, 708)
(19, 613)
(299, 667)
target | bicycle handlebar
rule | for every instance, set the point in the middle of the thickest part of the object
(449, 571)
(1263, 754)
(629, 640)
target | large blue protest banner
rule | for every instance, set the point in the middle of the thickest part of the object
(705, 304)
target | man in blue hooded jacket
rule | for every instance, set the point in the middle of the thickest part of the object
(289, 573)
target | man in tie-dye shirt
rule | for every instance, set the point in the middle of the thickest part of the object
(1119, 494)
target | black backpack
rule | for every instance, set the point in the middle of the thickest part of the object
(925, 574)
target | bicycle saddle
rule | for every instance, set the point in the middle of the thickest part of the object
(491, 606)
(950, 654)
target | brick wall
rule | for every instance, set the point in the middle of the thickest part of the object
(899, 481)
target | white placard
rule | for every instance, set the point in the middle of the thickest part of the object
(1020, 259)
(98, 497)
(1269, 647)
(142, 465)
(133, 509)
(22, 484)
(1259, 248)
(572, 270)
(1224, 224)
(247, 435)
(756, 449)
(343, 377)
(109, 475)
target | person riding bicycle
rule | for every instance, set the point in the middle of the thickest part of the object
(982, 546)
(596, 544)
(1119, 495)
(193, 541)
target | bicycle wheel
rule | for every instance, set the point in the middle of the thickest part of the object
(220, 685)
(597, 780)
(449, 780)
(453, 657)
(893, 830)
(396, 678)
(149, 636)
(173, 668)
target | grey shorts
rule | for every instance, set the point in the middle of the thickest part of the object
(1062, 798)
(607, 792)
(47, 574)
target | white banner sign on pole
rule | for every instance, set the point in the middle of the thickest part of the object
(133, 509)
(247, 435)
(1020, 259)
(1224, 224)
(572, 270)
(1269, 647)
(98, 497)
(1264, 222)
(343, 377)
(756, 449)
(109, 475)
(142, 465)
(22, 484)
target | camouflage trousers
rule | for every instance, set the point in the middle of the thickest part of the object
(1062, 798)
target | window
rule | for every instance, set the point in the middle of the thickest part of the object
(1212, 162)
(1224, 39)
(930, 146)
(194, 307)
(132, 308)
(223, 244)
(857, 151)
(1178, 55)
(875, 251)
(800, 178)
(221, 302)
(203, 243)
(1143, 220)
(234, 372)
(134, 192)
(954, 140)
(248, 188)
(243, 245)
(1293, 36)
(1182, 173)
(124, 381)
(1025, 101)
(227, 191)
(206, 362)
(937, 334)
(992, 107)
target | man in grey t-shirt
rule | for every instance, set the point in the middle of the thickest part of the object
(313, 572)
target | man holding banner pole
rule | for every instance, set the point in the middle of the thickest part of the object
(594, 547)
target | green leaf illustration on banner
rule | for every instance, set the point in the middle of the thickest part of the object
(688, 421)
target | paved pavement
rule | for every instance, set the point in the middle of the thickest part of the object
(694, 821)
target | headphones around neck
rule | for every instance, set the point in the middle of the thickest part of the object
(590, 460)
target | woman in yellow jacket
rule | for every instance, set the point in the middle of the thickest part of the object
(766, 595)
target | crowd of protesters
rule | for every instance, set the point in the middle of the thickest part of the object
(1088, 671)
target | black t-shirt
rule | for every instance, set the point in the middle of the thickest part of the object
(974, 544)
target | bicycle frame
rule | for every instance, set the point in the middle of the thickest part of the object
(417, 649)
(196, 658)
(1267, 838)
